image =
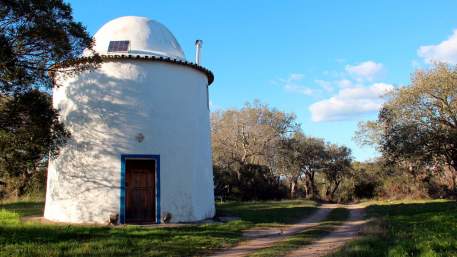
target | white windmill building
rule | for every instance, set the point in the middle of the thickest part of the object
(140, 145)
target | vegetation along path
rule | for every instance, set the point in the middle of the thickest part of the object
(336, 239)
(247, 247)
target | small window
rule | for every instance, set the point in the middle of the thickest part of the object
(118, 46)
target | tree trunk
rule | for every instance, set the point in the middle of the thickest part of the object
(453, 167)
(312, 185)
(305, 186)
(454, 182)
(293, 185)
(332, 194)
(22, 185)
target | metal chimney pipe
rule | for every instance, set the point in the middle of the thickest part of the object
(198, 47)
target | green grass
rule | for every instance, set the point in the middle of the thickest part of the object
(420, 228)
(24, 208)
(34, 239)
(336, 217)
(268, 212)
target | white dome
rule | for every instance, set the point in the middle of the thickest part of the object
(145, 36)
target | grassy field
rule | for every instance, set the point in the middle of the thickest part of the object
(268, 212)
(336, 217)
(421, 228)
(33, 239)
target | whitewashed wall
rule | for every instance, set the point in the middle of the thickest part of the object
(105, 110)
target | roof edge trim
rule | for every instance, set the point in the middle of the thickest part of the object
(209, 74)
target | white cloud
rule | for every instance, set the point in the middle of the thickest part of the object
(446, 51)
(350, 102)
(326, 85)
(299, 89)
(294, 84)
(296, 77)
(365, 70)
(340, 60)
(344, 83)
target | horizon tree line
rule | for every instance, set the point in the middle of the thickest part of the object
(258, 146)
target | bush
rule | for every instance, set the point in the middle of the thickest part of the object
(35, 186)
(250, 182)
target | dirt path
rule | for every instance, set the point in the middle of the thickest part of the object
(260, 242)
(336, 239)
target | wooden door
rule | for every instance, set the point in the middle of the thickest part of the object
(140, 191)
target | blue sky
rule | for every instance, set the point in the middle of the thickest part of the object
(326, 61)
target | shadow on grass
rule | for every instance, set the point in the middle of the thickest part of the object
(284, 212)
(46, 240)
(24, 208)
(408, 229)
(34, 239)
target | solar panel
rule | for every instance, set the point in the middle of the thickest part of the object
(118, 46)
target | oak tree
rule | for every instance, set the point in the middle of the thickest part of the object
(418, 124)
(37, 39)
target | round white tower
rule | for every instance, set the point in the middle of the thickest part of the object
(140, 146)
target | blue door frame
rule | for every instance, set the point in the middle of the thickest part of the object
(125, 157)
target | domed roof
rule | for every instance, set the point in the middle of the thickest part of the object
(138, 36)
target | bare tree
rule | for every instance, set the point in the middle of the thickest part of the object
(249, 136)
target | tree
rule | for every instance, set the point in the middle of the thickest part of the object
(302, 158)
(418, 125)
(288, 161)
(311, 159)
(249, 136)
(257, 150)
(37, 39)
(246, 150)
(30, 133)
(337, 166)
